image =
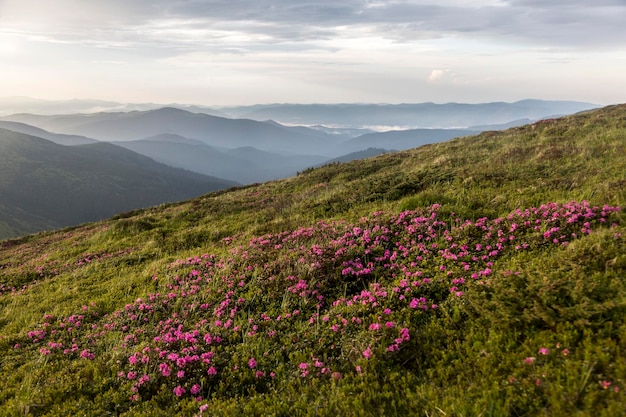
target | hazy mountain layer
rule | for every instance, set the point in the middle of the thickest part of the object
(244, 165)
(59, 138)
(248, 164)
(44, 185)
(15, 105)
(212, 130)
(420, 115)
(402, 139)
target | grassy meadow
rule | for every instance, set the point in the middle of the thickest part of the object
(484, 276)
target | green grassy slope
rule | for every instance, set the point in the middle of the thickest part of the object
(482, 276)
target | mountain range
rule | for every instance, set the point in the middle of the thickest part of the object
(240, 150)
(129, 151)
(409, 116)
(402, 139)
(44, 185)
(334, 116)
(244, 165)
(212, 130)
(16, 104)
(59, 138)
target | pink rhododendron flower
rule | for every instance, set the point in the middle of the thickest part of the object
(367, 353)
(179, 391)
(165, 369)
(605, 384)
(86, 354)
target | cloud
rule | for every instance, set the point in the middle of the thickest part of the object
(435, 75)
(568, 23)
(447, 76)
(360, 48)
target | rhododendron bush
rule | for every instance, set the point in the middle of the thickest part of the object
(321, 303)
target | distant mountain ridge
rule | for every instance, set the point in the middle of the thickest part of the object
(345, 115)
(419, 115)
(15, 105)
(248, 151)
(212, 130)
(403, 139)
(244, 165)
(59, 138)
(44, 185)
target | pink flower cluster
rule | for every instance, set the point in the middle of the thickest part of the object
(215, 320)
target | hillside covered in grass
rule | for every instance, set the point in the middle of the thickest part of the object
(481, 276)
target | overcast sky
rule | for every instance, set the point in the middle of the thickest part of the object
(224, 52)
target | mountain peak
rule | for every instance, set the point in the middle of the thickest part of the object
(169, 110)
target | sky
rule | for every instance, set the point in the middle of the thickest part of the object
(238, 52)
